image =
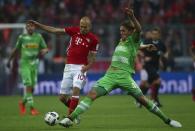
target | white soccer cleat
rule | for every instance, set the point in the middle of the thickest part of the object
(77, 120)
(138, 104)
(174, 123)
(66, 122)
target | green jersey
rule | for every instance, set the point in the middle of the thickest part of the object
(30, 46)
(125, 54)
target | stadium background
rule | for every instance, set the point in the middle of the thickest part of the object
(175, 18)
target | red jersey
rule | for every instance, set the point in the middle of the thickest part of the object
(80, 45)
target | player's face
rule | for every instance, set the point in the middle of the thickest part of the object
(148, 35)
(84, 27)
(155, 35)
(124, 32)
(30, 28)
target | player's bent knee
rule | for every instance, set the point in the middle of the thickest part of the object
(62, 98)
(76, 91)
(92, 94)
(29, 89)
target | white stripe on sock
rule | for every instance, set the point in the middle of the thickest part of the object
(84, 104)
(82, 107)
(75, 96)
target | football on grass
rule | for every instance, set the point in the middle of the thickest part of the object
(51, 118)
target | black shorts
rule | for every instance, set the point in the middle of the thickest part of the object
(152, 75)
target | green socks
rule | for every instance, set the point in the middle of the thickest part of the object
(82, 107)
(155, 110)
(28, 98)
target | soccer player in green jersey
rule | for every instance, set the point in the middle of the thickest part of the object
(119, 74)
(30, 46)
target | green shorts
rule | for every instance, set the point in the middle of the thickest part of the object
(29, 75)
(119, 79)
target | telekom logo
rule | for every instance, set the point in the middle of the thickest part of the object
(78, 41)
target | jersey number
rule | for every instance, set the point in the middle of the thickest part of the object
(81, 77)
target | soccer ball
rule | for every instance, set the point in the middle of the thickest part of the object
(51, 118)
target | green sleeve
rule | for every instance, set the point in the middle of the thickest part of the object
(132, 38)
(19, 42)
(136, 37)
(42, 42)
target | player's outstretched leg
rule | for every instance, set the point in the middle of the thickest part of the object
(77, 120)
(144, 86)
(155, 110)
(175, 123)
(81, 108)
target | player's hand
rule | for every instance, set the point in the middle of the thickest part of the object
(129, 12)
(84, 68)
(151, 47)
(35, 23)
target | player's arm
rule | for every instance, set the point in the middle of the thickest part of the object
(163, 56)
(91, 61)
(133, 19)
(12, 55)
(47, 28)
(44, 49)
(148, 47)
(43, 52)
(15, 51)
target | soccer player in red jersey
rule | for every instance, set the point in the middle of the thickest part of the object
(81, 55)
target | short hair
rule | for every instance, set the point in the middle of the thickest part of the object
(156, 29)
(128, 24)
(87, 19)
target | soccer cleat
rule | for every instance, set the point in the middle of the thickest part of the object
(175, 124)
(138, 104)
(34, 112)
(77, 120)
(66, 122)
(22, 108)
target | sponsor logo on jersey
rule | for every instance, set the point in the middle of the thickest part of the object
(120, 59)
(121, 48)
(31, 45)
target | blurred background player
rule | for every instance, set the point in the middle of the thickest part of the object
(81, 55)
(30, 46)
(153, 61)
(119, 74)
(192, 52)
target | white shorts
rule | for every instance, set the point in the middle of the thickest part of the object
(143, 75)
(72, 77)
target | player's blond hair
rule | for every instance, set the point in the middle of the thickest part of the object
(86, 19)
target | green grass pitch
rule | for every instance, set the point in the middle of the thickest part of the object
(109, 113)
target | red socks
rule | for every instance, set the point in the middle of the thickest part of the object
(67, 103)
(73, 104)
(154, 93)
